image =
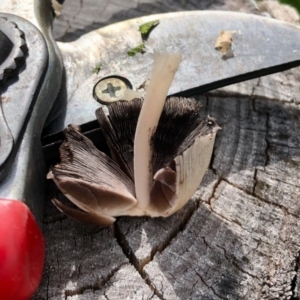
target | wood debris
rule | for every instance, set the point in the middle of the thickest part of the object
(224, 44)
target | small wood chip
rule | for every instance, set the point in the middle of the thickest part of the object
(57, 7)
(224, 43)
(144, 85)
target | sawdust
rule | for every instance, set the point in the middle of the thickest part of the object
(224, 44)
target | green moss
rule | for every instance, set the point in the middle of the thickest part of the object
(145, 29)
(138, 49)
(97, 68)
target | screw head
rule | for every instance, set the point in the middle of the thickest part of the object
(111, 89)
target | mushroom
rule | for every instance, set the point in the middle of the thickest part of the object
(159, 152)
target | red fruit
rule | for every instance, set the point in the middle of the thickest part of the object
(22, 251)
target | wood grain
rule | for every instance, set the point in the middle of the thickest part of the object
(81, 16)
(239, 235)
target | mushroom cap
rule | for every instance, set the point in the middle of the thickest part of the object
(102, 186)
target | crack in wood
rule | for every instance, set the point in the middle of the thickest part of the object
(216, 213)
(255, 181)
(105, 296)
(234, 263)
(121, 240)
(139, 263)
(209, 287)
(227, 220)
(284, 209)
(231, 260)
(259, 242)
(193, 288)
(153, 287)
(214, 187)
(253, 97)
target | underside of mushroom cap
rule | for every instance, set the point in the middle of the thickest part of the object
(102, 187)
(91, 180)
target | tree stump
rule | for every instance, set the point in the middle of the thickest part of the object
(239, 235)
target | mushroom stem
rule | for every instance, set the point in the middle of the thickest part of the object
(164, 68)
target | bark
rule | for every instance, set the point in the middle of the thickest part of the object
(239, 235)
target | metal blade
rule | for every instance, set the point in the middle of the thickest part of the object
(261, 46)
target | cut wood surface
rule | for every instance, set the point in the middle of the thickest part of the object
(239, 235)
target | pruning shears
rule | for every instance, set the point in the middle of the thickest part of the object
(46, 85)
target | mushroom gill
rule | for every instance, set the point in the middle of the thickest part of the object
(159, 152)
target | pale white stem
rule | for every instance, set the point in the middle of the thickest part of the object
(164, 68)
